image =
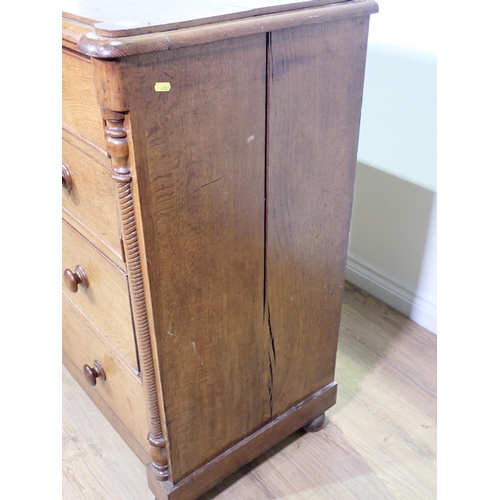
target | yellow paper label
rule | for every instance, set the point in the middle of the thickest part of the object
(162, 86)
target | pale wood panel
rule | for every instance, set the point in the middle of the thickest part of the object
(80, 112)
(78, 479)
(409, 353)
(105, 302)
(92, 198)
(122, 390)
(204, 237)
(387, 395)
(92, 456)
(377, 445)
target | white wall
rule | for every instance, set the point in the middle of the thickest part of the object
(392, 250)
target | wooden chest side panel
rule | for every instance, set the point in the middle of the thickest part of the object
(198, 158)
(315, 91)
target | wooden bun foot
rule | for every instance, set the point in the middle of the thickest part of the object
(315, 425)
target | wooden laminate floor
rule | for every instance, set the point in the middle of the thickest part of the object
(380, 442)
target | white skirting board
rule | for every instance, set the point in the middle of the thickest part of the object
(412, 303)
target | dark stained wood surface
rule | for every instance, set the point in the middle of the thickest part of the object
(73, 279)
(315, 101)
(254, 445)
(132, 17)
(67, 181)
(199, 160)
(92, 373)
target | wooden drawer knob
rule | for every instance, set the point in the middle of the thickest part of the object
(93, 373)
(73, 279)
(67, 182)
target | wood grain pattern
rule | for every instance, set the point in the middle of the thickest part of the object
(92, 199)
(380, 441)
(122, 391)
(204, 222)
(107, 292)
(315, 104)
(80, 112)
(72, 31)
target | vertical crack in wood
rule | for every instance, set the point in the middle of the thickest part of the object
(266, 309)
(266, 170)
(272, 361)
(117, 145)
(271, 336)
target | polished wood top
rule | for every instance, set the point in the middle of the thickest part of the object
(132, 17)
(93, 31)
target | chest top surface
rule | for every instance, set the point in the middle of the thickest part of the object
(131, 17)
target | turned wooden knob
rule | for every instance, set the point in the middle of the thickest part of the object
(67, 182)
(73, 279)
(316, 425)
(93, 373)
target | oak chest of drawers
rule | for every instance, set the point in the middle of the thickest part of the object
(208, 157)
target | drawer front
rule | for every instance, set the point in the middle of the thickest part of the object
(80, 111)
(121, 391)
(89, 194)
(105, 301)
